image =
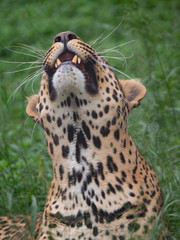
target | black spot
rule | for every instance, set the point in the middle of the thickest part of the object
(75, 116)
(119, 180)
(114, 121)
(134, 179)
(47, 131)
(115, 98)
(94, 114)
(133, 226)
(40, 107)
(102, 194)
(107, 89)
(111, 165)
(61, 171)
(114, 237)
(100, 114)
(121, 237)
(48, 118)
(145, 229)
(124, 144)
(106, 109)
(130, 216)
(94, 209)
(95, 231)
(55, 139)
(154, 209)
(111, 188)
(116, 134)
(108, 124)
(77, 101)
(77, 152)
(100, 170)
(122, 157)
(104, 131)
(86, 130)
(59, 122)
(110, 75)
(68, 101)
(88, 201)
(85, 101)
(51, 148)
(119, 188)
(97, 142)
(146, 201)
(81, 139)
(79, 176)
(107, 80)
(71, 131)
(65, 151)
(123, 174)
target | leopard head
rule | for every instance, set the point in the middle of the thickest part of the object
(73, 69)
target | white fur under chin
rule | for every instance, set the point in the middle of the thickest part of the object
(68, 78)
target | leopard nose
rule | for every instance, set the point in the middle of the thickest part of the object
(65, 37)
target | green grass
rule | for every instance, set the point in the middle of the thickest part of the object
(25, 167)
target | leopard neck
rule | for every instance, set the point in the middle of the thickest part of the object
(75, 142)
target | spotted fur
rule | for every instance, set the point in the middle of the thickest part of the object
(102, 187)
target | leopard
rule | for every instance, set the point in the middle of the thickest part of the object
(102, 187)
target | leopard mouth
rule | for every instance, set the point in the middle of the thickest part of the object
(71, 58)
(86, 67)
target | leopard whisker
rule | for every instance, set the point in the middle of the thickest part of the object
(37, 63)
(33, 130)
(21, 70)
(92, 43)
(119, 58)
(33, 49)
(120, 45)
(22, 53)
(34, 62)
(26, 81)
(112, 31)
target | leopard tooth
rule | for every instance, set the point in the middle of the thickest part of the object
(75, 58)
(57, 63)
(79, 60)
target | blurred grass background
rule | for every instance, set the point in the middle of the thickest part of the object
(152, 29)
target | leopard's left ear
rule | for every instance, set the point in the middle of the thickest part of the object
(31, 109)
(133, 90)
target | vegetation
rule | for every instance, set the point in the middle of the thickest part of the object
(146, 36)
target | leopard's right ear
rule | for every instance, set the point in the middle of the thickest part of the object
(31, 108)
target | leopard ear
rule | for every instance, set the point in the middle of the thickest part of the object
(133, 90)
(31, 109)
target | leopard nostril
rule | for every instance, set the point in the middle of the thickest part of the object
(57, 39)
(71, 36)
